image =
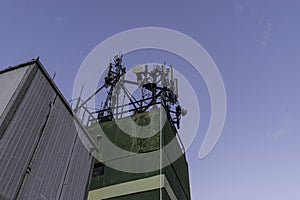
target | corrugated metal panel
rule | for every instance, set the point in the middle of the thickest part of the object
(41, 155)
(57, 158)
(11, 84)
(21, 135)
(50, 162)
(75, 186)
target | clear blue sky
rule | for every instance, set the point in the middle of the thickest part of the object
(255, 44)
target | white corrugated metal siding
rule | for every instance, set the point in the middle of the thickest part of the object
(41, 154)
(9, 82)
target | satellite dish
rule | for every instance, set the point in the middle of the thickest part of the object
(138, 69)
(184, 111)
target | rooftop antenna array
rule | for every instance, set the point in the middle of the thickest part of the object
(154, 87)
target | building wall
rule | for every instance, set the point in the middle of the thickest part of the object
(10, 82)
(41, 154)
(175, 175)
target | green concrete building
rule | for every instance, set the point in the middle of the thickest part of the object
(131, 167)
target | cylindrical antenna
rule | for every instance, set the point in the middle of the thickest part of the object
(176, 87)
(171, 73)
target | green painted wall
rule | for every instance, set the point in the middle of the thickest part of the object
(176, 173)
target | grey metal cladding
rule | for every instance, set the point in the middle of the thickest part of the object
(60, 158)
(41, 154)
(13, 88)
(20, 137)
(8, 83)
(50, 162)
(79, 174)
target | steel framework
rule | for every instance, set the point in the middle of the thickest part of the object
(154, 88)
